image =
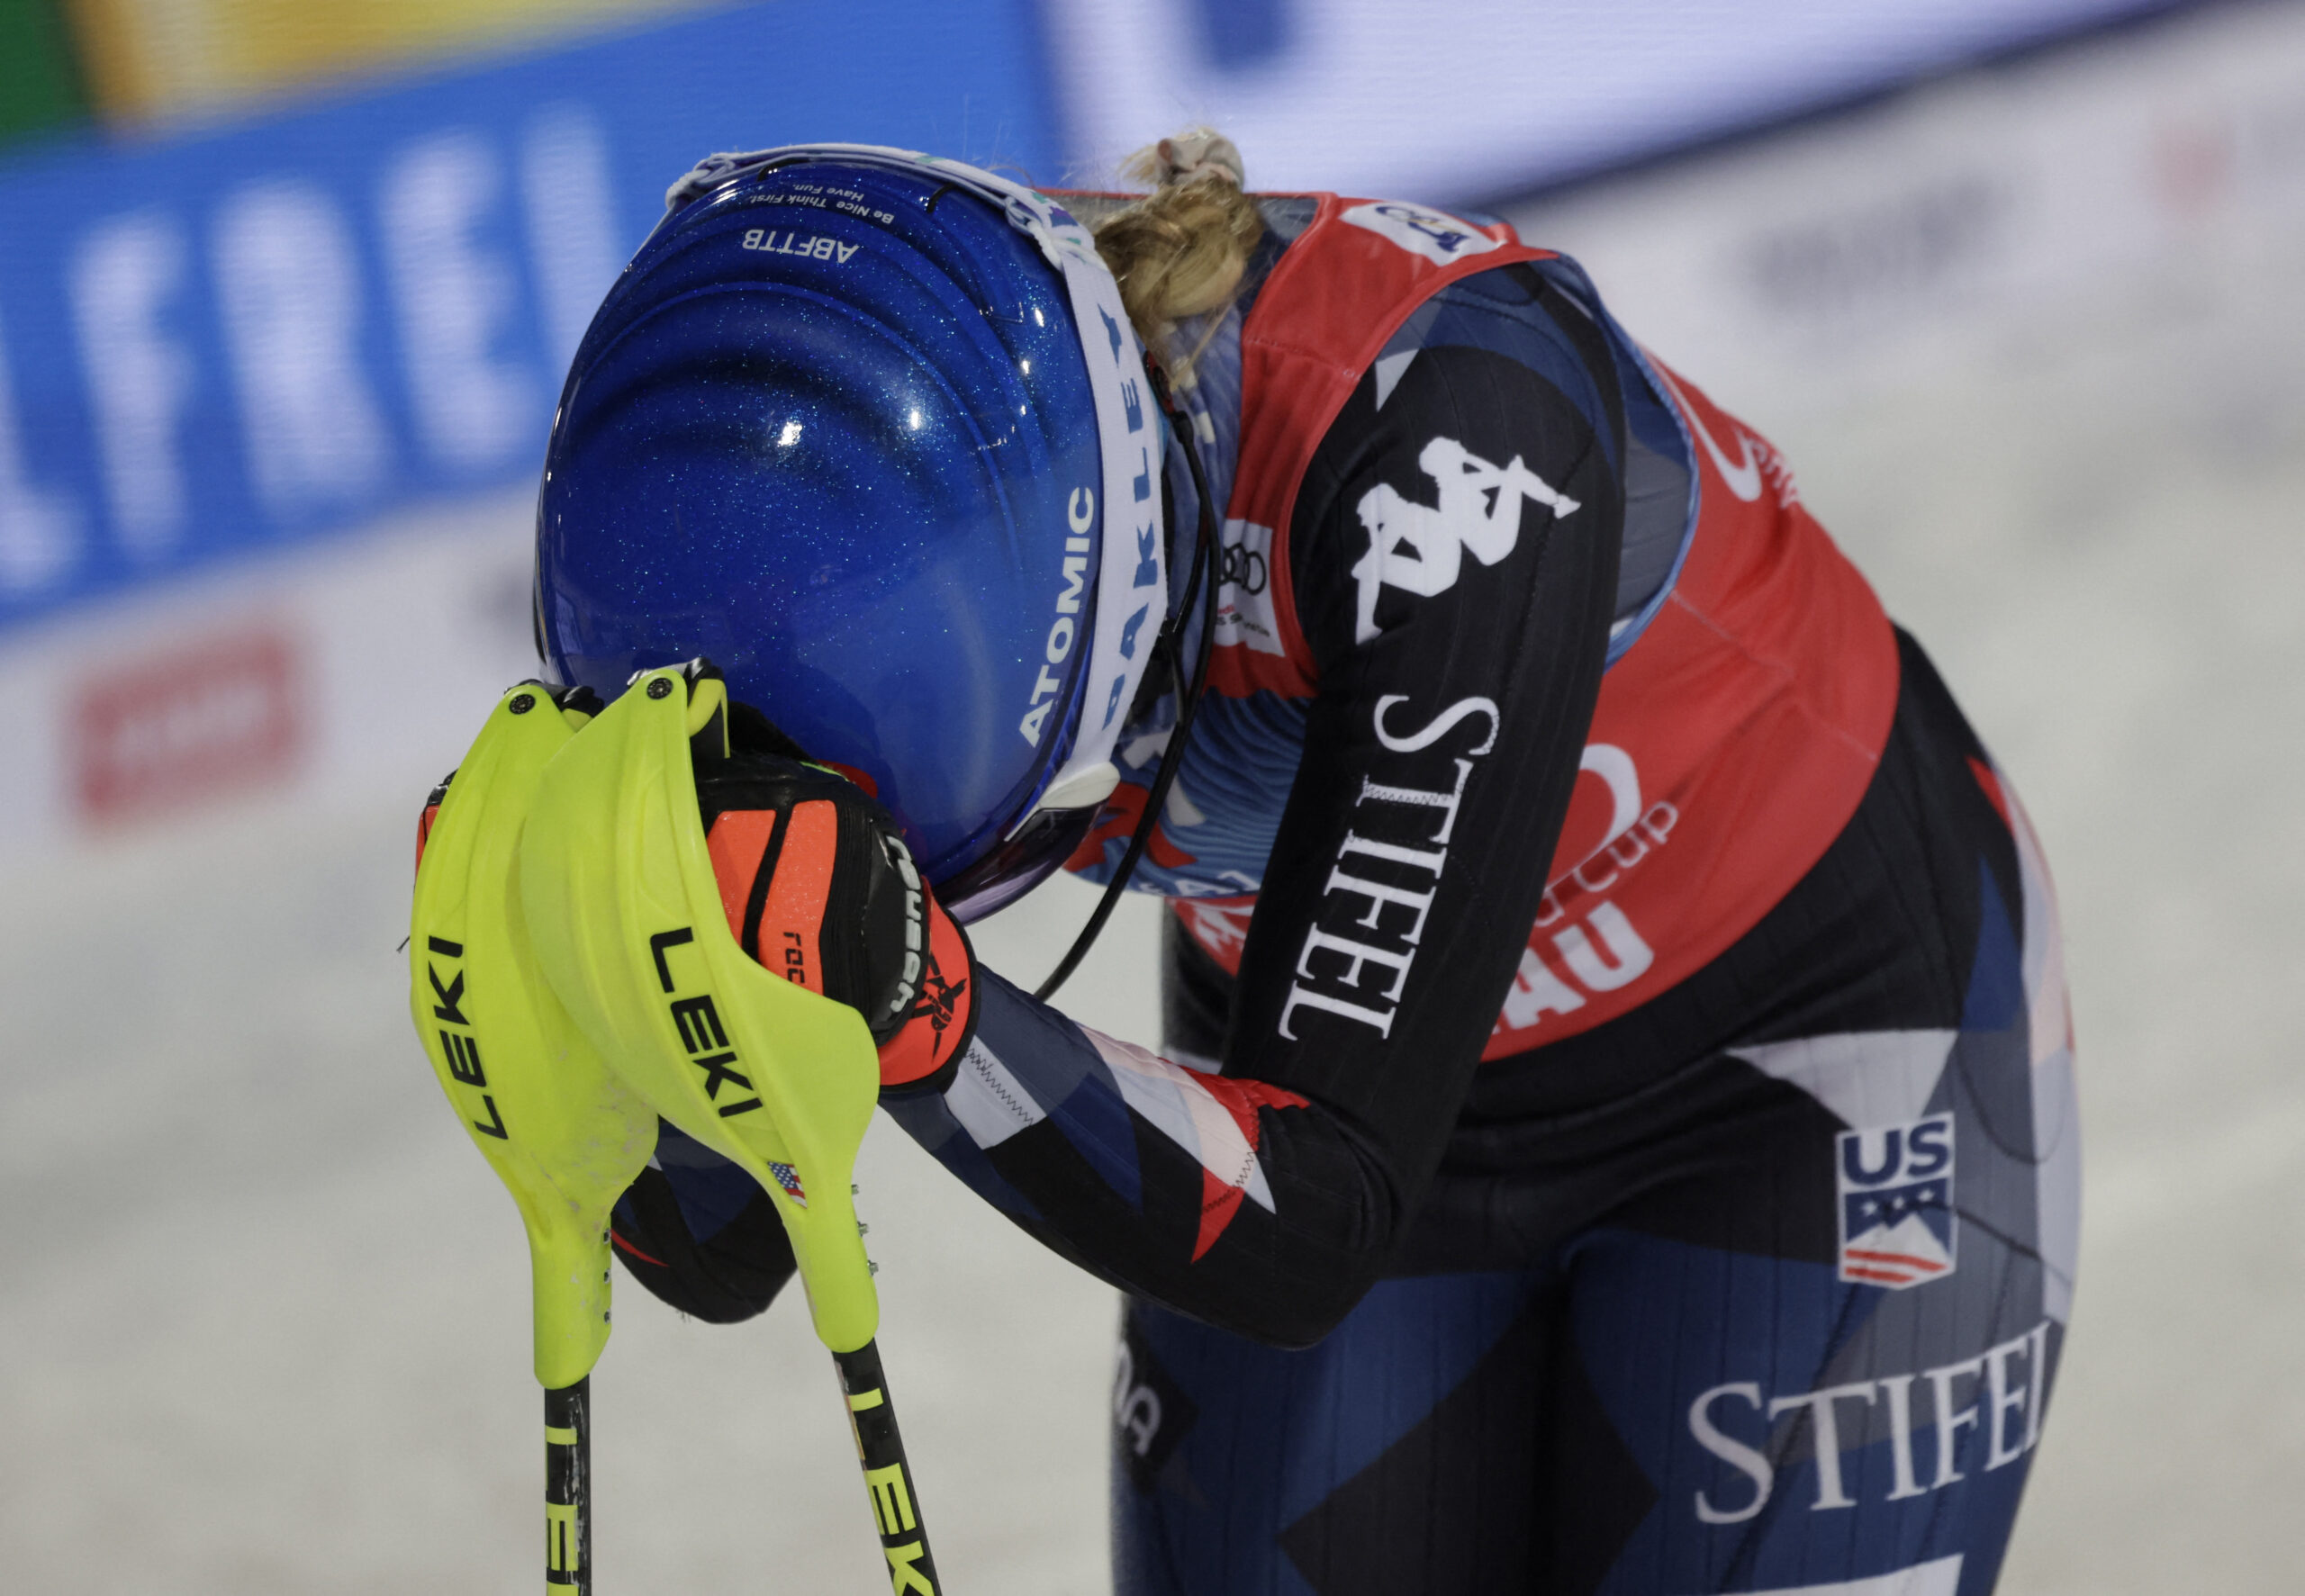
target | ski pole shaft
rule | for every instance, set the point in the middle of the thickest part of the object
(888, 1476)
(568, 1489)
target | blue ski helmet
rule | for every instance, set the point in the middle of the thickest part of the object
(870, 431)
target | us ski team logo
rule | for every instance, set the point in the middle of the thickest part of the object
(789, 1178)
(1896, 1203)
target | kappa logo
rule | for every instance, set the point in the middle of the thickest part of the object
(1896, 1203)
(1420, 548)
(1435, 235)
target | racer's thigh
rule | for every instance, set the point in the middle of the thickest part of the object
(1796, 1431)
(1662, 1416)
(1825, 1330)
(1401, 1454)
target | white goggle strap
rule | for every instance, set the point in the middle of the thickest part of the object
(1131, 598)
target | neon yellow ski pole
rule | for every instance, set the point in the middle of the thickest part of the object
(562, 1130)
(628, 925)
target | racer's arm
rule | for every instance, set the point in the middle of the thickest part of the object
(1439, 753)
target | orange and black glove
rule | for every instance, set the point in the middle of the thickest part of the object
(821, 889)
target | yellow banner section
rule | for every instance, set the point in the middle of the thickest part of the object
(154, 60)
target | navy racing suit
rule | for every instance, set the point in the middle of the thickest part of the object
(1717, 1234)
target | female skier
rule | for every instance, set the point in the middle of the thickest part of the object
(1614, 1129)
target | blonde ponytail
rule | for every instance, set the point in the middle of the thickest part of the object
(1179, 252)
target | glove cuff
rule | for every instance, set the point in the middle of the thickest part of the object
(943, 1019)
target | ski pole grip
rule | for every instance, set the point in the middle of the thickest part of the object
(888, 1477)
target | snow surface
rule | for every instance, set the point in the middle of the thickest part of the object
(264, 1324)
(263, 1314)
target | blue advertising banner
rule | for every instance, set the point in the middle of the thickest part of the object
(238, 340)
(1471, 101)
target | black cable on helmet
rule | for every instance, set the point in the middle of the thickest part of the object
(1168, 645)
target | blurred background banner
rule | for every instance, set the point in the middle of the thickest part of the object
(155, 60)
(287, 290)
(349, 297)
(283, 327)
(1449, 101)
(230, 341)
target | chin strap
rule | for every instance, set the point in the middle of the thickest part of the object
(1168, 647)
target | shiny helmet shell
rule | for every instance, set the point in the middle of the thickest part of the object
(833, 429)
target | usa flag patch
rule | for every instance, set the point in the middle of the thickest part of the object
(1896, 1203)
(789, 1178)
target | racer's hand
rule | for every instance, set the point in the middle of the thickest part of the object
(701, 1234)
(820, 889)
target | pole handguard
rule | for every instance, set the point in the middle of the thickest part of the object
(628, 926)
(563, 1133)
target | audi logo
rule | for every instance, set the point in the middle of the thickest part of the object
(1241, 567)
